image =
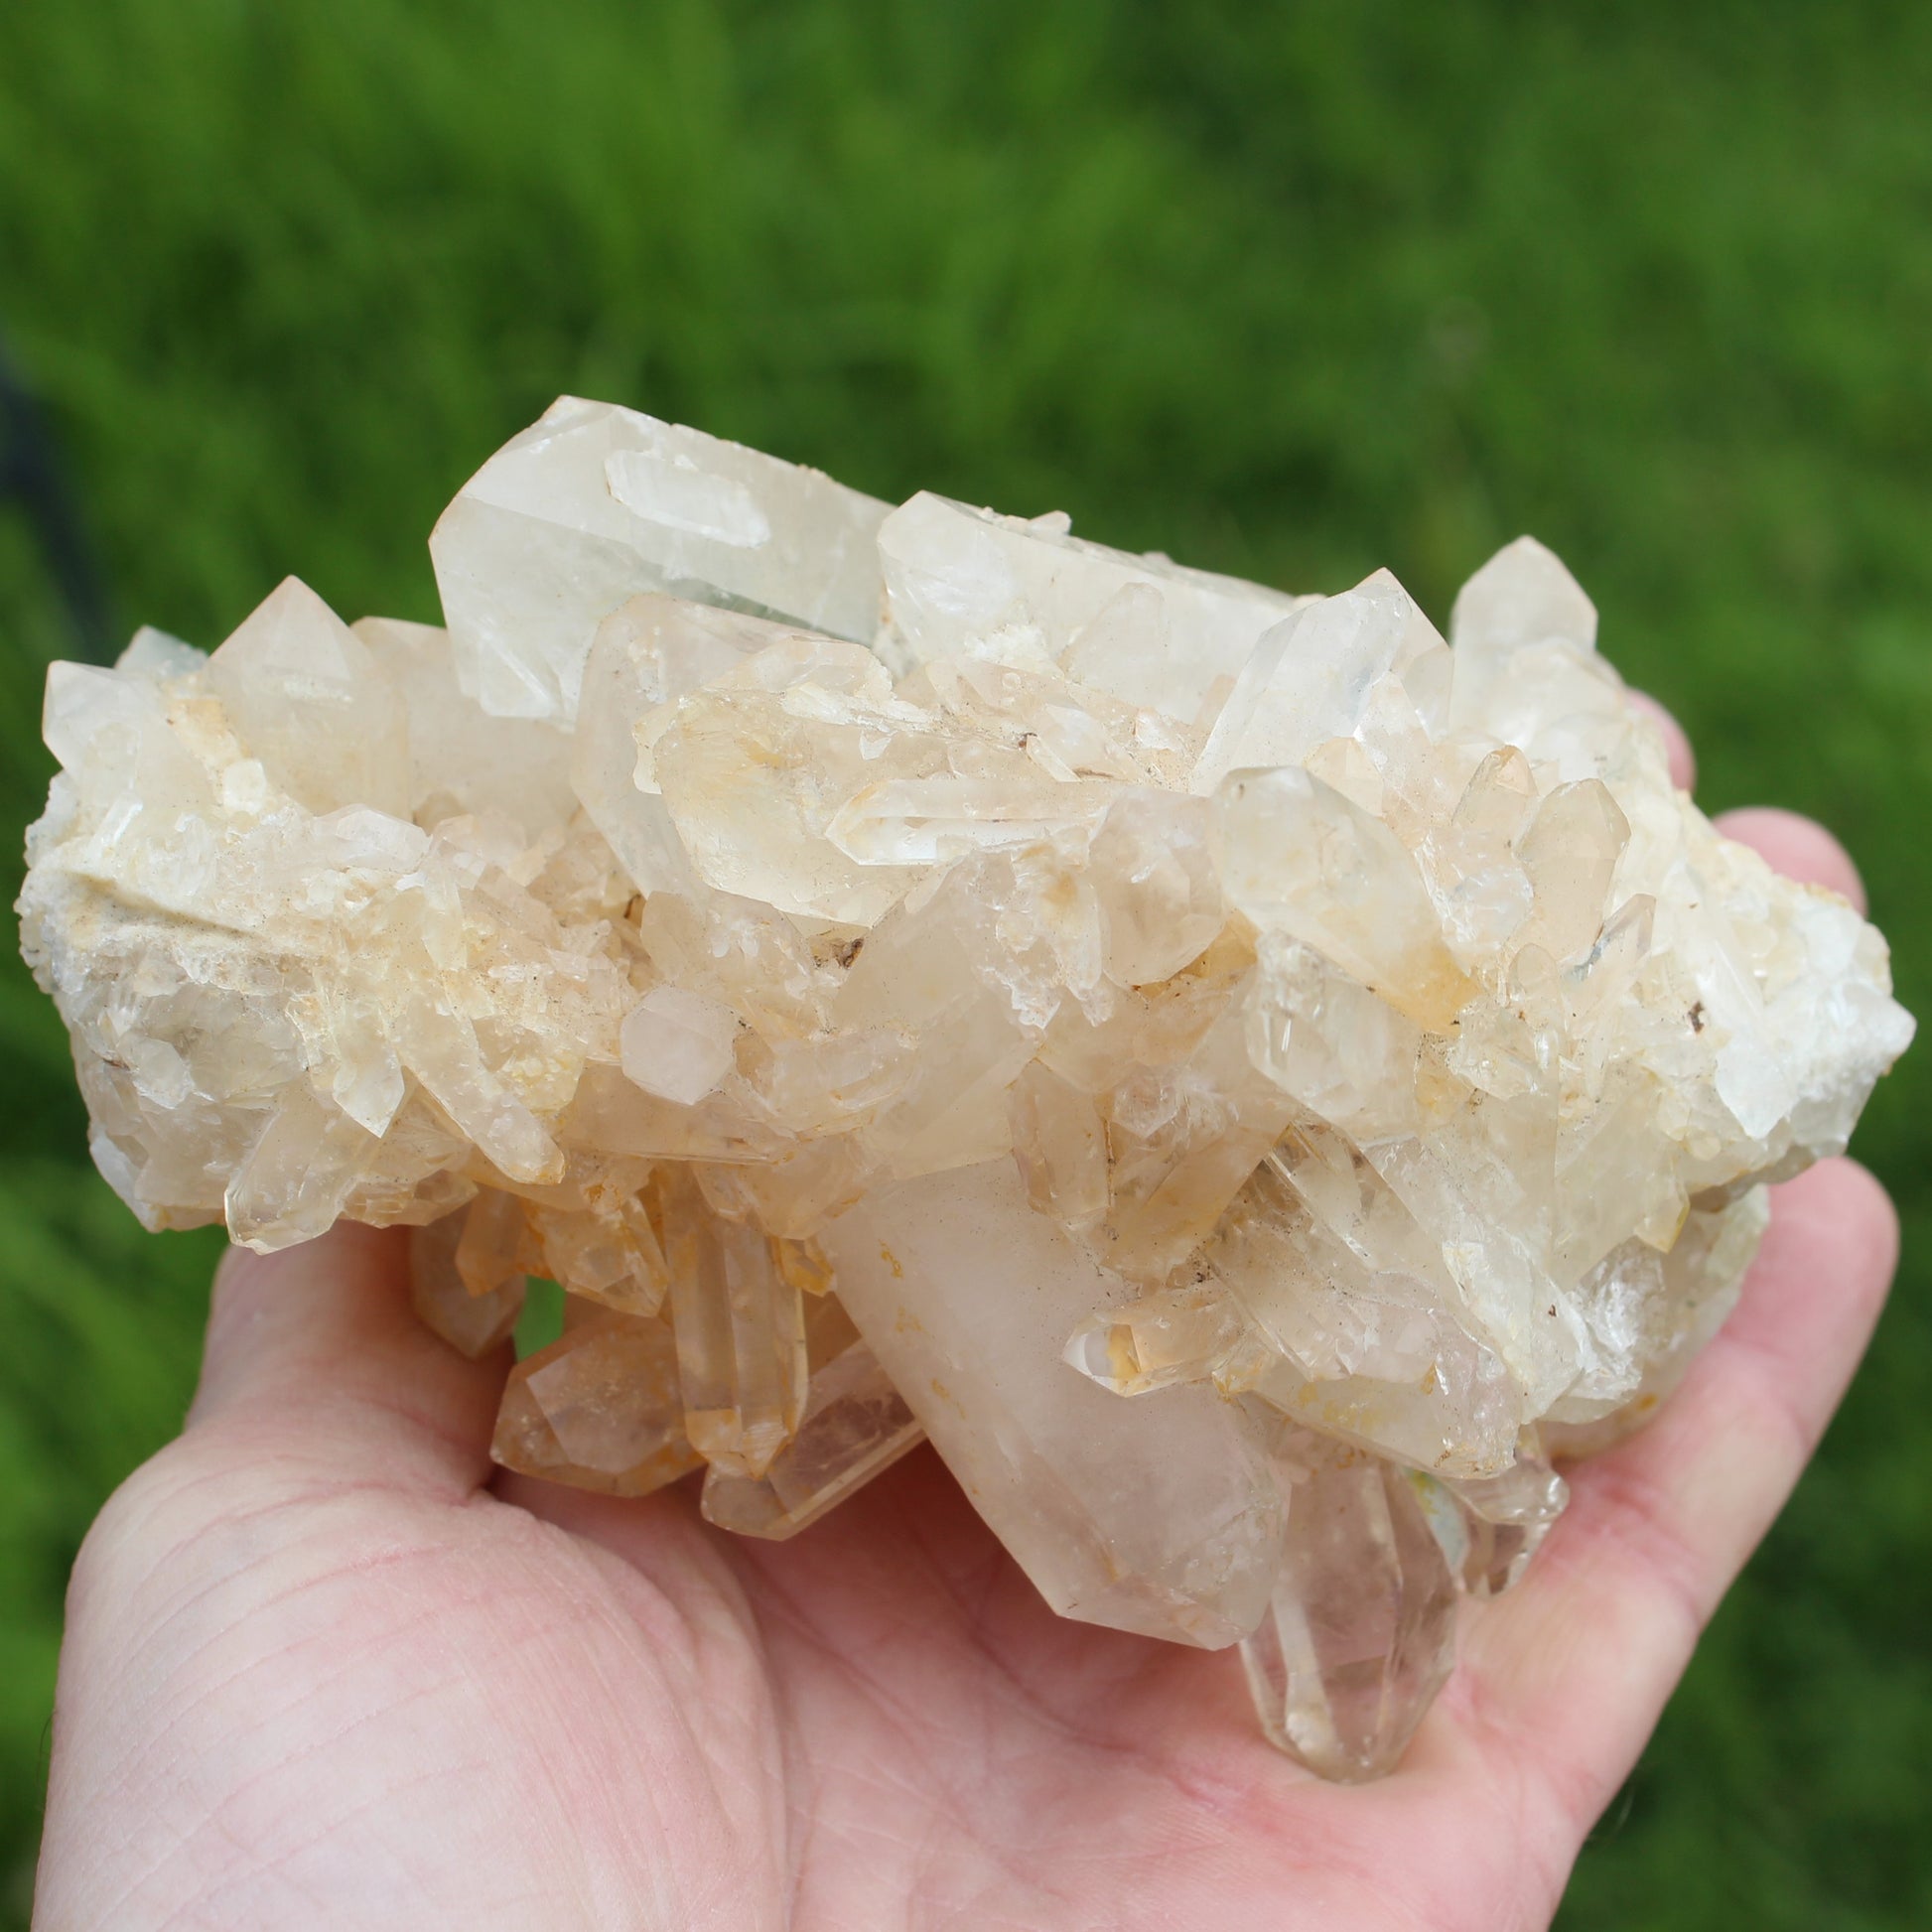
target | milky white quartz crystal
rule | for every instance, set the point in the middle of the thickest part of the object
(1249, 1080)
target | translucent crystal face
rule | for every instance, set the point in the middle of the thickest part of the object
(1248, 1080)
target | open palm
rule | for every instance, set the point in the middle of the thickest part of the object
(323, 1670)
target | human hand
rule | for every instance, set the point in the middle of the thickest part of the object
(325, 1668)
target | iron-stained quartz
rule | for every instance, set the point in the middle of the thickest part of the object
(1246, 1078)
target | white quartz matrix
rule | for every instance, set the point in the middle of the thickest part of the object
(1249, 1080)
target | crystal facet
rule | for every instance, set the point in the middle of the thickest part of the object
(1248, 1080)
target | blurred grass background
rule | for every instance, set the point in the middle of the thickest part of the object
(1285, 289)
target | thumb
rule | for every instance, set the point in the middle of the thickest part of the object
(317, 1346)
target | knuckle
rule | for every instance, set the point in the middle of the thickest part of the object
(121, 1529)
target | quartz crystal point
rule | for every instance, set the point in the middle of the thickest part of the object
(1360, 1631)
(472, 1321)
(1248, 1080)
(598, 1408)
(595, 504)
(1155, 1516)
(740, 1330)
(855, 1422)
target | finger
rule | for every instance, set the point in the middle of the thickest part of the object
(1800, 848)
(318, 1346)
(1677, 743)
(1566, 1677)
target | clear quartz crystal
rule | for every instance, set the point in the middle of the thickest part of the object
(463, 761)
(595, 504)
(1155, 1515)
(1248, 1080)
(1493, 1525)
(741, 1331)
(598, 1408)
(1142, 629)
(1361, 1632)
(472, 1323)
(854, 1424)
(314, 704)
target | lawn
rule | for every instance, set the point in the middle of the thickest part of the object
(1290, 291)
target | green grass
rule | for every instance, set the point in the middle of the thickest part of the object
(1289, 291)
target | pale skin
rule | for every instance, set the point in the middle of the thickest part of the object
(325, 1668)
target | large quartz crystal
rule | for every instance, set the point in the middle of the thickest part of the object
(1251, 1082)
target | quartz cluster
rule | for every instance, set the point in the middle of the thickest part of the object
(1251, 1082)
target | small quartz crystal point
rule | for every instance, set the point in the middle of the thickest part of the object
(1249, 1080)
(473, 1320)
(598, 1408)
(854, 1424)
